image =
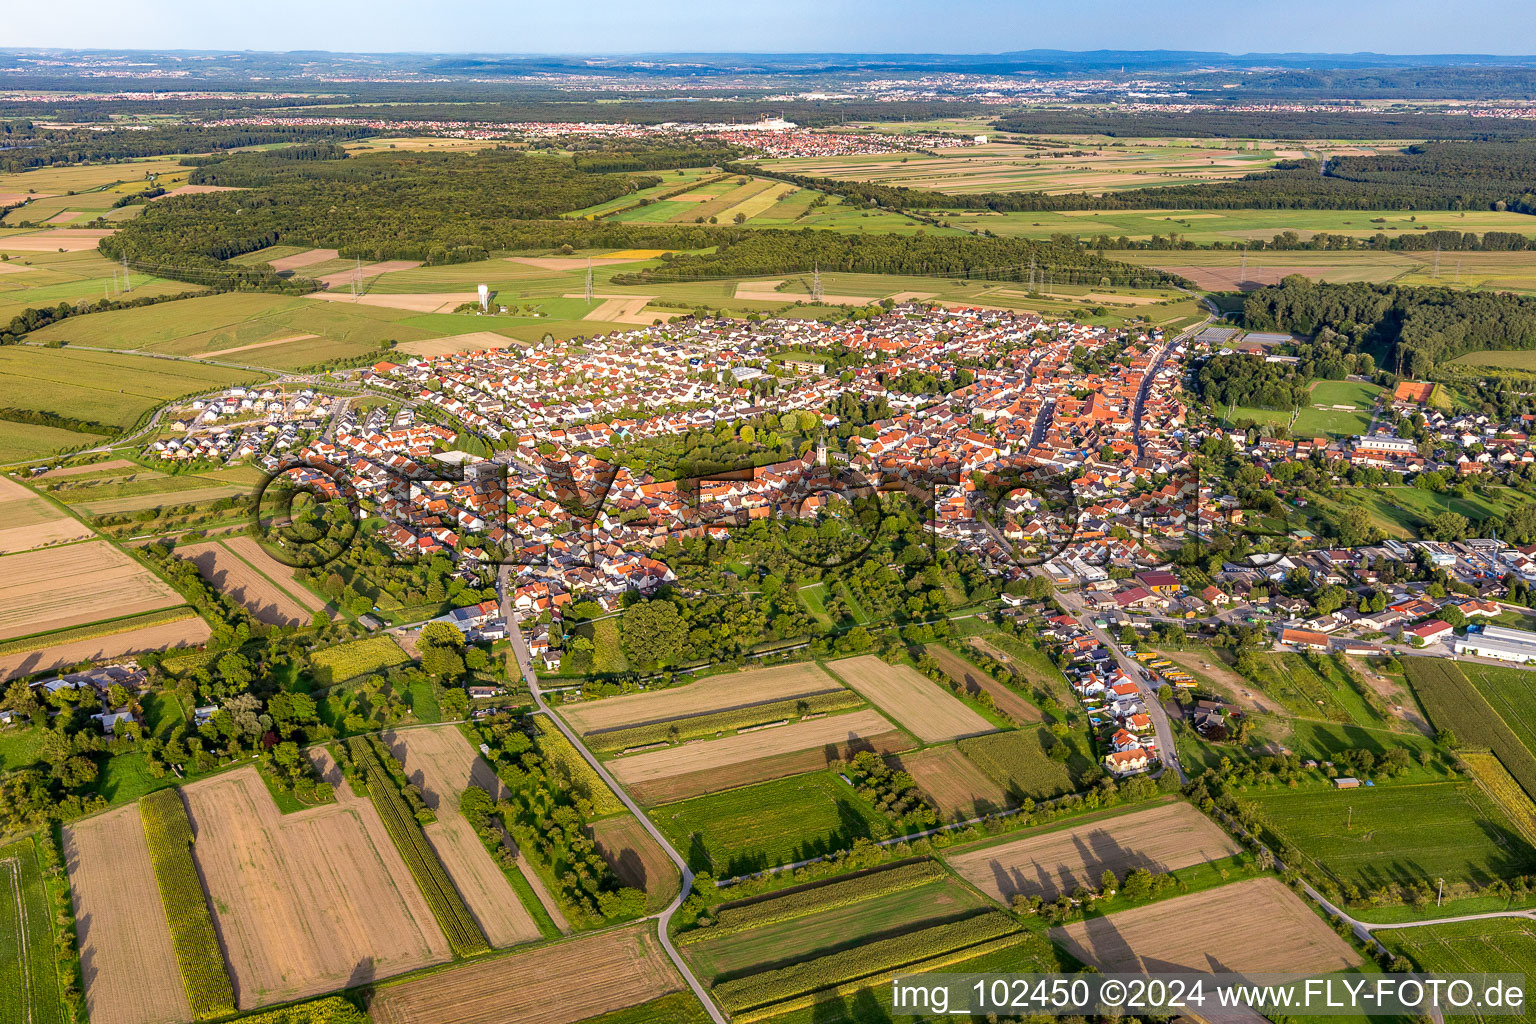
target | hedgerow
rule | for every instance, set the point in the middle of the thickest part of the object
(851, 964)
(169, 835)
(720, 721)
(464, 935)
(809, 900)
(331, 1010)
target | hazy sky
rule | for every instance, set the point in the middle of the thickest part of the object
(628, 26)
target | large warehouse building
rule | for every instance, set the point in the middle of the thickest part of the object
(1501, 642)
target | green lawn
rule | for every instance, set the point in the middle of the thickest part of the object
(1398, 832)
(162, 713)
(607, 651)
(1399, 511)
(126, 777)
(770, 823)
(815, 599)
(19, 745)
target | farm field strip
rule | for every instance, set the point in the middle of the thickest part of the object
(1501, 945)
(1196, 933)
(440, 762)
(301, 899)
(32, 522)
(599, 973)
(714, 693)
(739, 749)
(636, 858)
(231, 574)
(914, 701)
(123, 934)
(958, 788)
(108, 643)
(1047, 864)
(1006, 699)
(73, 585)
(29, 978)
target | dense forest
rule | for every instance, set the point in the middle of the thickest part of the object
(1002, 259)
(1416, 327)
(460, 207)
(25, 146)
(1438, 176)
(1258, 124)
(1247, 380)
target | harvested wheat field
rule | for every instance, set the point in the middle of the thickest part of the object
(476, 341)
(636, 858)
(922, 708)
(30, 522)
(1163, 838)
(442, 764)
(715, 693)
(1004, 697)
(237, 578)
(416, 302)
(956, 786)
(303, 259)
(251, 551)
(572, 262)
(73, 585)
(90, 467)
(720, 756)
(308, 902)
(126, 957)
(55, 240)
(162, 637)
(596, 974)
(344, 278)
(1255, 926)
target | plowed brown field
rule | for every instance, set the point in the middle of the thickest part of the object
(126, 957)
(307, 902)
(957, 787)
(1163, 838)
(634, 856)
(556, 984)
(232, 575)
(918, 703)
(442, 764)
(1004, 697)
(181, 633)
(1257, 926)
(74, 585)
(715, 693)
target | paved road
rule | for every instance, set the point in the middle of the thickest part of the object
(524, 664)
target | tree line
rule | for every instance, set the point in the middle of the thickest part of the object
(1417, 328)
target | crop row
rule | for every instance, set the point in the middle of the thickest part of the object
(851, 964)
(169, 835)
(843, 991)
(452, 914)
(1505, 791)
(720, 721)
(1454, 703)
(785, 907)
(360, 657)
(29, 982)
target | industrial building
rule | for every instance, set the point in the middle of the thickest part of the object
(1501, 642)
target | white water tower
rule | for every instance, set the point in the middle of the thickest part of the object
(485, 298)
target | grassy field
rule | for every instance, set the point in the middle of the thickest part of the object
(104, 387)
(834, 929)
(1469, 947)
(1509, 691)
(24, 442)
(1310, 692)
(1398, 832)
(1017, 761)
(53, 277)
(29, 982)
(1204, 226)
(771, 823)
(1319, 418)
(1400, 511)
(1226, 270)
(1069, 167)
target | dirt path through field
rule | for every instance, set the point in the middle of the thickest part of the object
(220, 353)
